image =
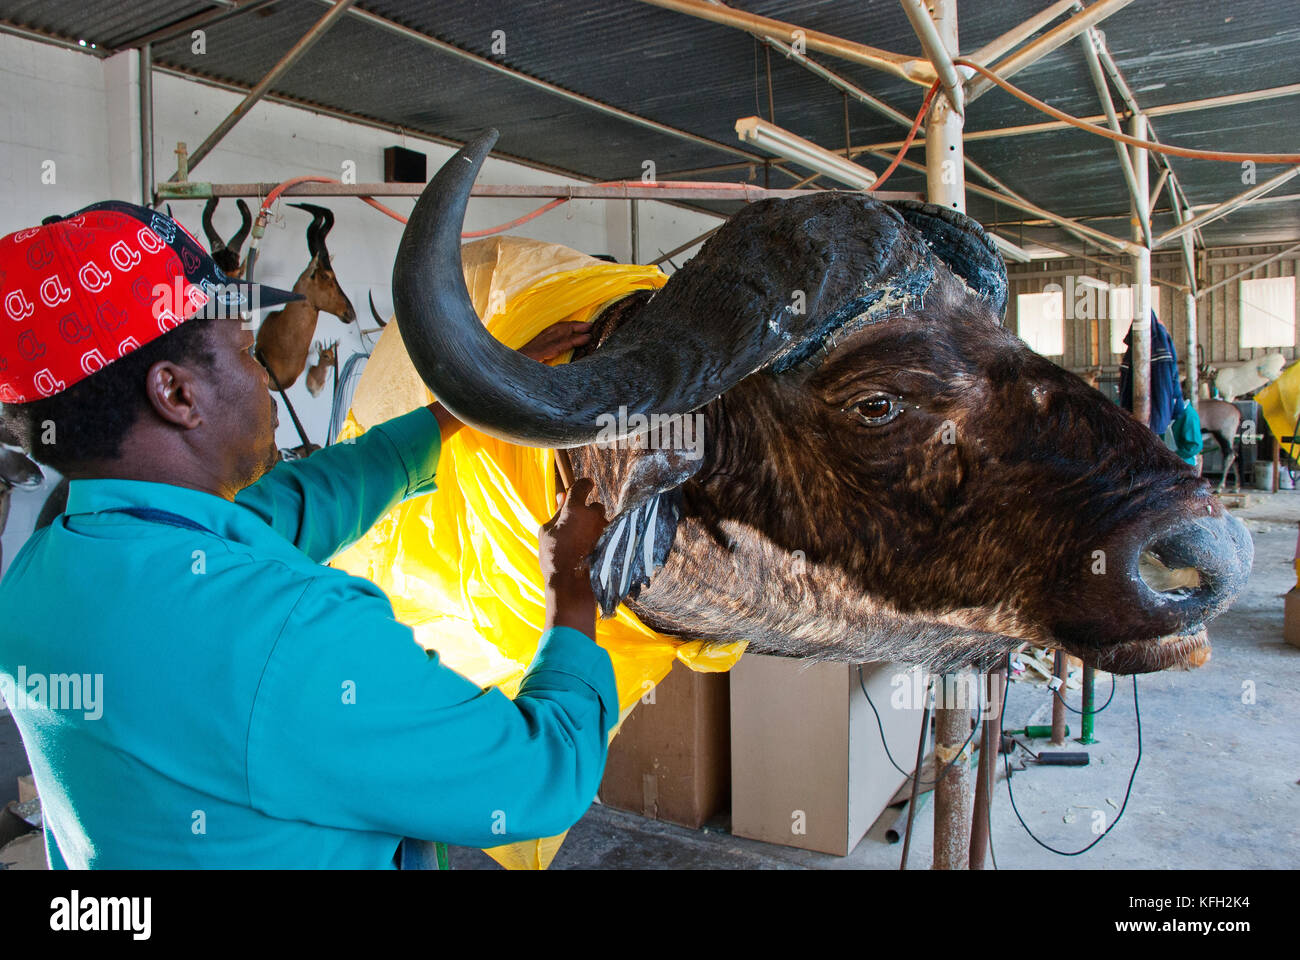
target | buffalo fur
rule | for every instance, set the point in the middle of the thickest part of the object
(945, 537)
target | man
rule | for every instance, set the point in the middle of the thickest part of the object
(193, 686)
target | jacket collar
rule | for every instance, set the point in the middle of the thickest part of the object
(228, 520)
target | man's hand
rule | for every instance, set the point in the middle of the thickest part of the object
(566, 541)
(556, 339)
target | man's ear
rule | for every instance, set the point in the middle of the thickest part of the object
(172, 394)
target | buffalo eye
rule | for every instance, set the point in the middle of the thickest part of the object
(877, 409)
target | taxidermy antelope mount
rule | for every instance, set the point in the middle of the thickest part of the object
(227, 254)
(326, 359)
(285, 337)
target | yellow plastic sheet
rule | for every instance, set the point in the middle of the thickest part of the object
(460, 564)
(1279, 403)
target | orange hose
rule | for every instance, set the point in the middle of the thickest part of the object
(1109, 134)
(911, 135)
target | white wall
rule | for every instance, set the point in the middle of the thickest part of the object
(82, 113)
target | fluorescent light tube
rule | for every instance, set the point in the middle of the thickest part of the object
(783, 143)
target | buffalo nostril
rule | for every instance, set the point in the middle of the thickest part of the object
(1198, 562)
(1174, 582)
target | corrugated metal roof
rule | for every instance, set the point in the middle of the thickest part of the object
(700, 77)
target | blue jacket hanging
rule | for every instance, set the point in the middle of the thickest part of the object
(1166, 391)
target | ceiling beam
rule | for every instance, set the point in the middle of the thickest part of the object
(201, 20)
(1169, 109)
(914, 69)
(1018, 34)
(308, 40)
(1034, 51)
(1227, 206)
(940, 59)
(536, 83)
(1257, 265)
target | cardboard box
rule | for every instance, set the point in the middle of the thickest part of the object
(671, 760)
(1291, 617)
(808, 769)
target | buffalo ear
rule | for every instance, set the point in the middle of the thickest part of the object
(963, 246)
(641, 489)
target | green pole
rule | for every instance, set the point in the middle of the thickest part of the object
(1089, 682)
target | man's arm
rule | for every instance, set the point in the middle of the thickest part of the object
(356, 727)
(326, 502)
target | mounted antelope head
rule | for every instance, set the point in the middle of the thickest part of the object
(285, 337)
(326, 360)
(227, 253)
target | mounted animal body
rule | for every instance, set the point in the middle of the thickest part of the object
(285, 337)
(227, 253)
(16, 470)
(885, 473)
(327, 359)
(1233, 380)
(1222, 420)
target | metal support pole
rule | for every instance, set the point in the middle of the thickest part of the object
(1058, 702)
(952, 791)
(1140, 332)
(946, 186)
(636, 232)
(288, 60)
(1058, 36)
(933, 47)
(1193, 337)
(1089, 40)
(145, 64)
(1089, 701)
(1225, 208)
(989, 743)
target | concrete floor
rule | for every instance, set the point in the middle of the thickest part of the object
(1217, 786)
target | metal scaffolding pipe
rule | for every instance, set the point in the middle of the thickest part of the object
(1008, 41)
(933, 48)
(1257, 265)
(1034, 51)
(145, 66)
(1103, 93)
(1047, 126)
(1126, 94)
(945, 186)
(909, 68)
(207, 18)
(295, 54)
(1096, 236)
(1160, 185)
(1225, 208)
(1140, 331)
(632, 190)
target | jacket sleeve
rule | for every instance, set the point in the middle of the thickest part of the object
(327, 501)
(355, 726)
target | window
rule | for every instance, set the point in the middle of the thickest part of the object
(1041, 321)
(1121, 314)
(1268, 312)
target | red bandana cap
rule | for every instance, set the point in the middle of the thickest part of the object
(82, 291)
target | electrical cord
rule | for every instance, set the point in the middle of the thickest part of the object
(1127, 793)
(979, 706)
(1057, 694)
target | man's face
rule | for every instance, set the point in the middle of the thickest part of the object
(246, 417)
